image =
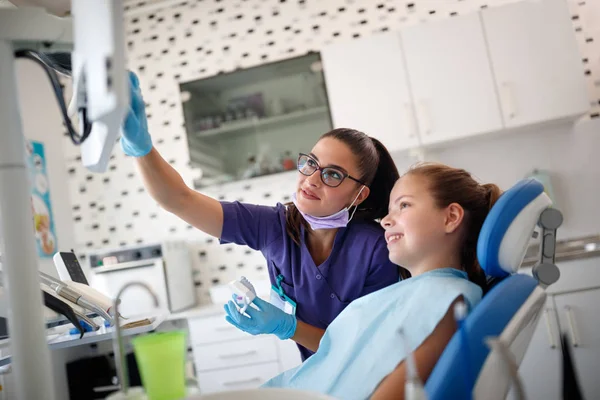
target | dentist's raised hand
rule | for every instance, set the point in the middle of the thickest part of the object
(268, 319)
(135, 140)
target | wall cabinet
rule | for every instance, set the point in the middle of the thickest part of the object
(536, 62)
(368, 89)
(501, 68)
(451, 79)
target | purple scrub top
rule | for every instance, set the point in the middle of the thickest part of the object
(357, 265)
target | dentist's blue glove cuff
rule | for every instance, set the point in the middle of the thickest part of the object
(268, 319)
(135, 138)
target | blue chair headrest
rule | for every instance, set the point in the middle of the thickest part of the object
(508, 228)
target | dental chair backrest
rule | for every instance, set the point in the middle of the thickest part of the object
(502, 245)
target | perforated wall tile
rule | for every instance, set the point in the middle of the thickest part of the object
(176, 41)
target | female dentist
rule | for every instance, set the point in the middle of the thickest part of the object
(323, 251)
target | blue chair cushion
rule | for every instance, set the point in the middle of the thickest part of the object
(500, 218)
(451, 376)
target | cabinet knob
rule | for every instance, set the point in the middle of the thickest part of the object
(251, 381)
(237, 355)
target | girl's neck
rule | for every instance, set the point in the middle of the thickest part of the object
(435, 261)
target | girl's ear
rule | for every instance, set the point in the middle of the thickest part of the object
(454, 216)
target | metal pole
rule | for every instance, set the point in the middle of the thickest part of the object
(30, 354)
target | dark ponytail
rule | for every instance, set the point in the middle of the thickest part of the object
(377, 169)
(375, 207)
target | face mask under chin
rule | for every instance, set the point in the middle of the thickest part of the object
(340, 219)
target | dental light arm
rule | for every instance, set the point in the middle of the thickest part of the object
(97, 67)
(98, 62)
(99, 73)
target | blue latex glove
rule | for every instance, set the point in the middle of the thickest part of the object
(135, 140)
(267, 320)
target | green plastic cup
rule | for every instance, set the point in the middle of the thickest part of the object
(161, 362)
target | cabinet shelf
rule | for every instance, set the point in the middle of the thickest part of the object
(245, 126)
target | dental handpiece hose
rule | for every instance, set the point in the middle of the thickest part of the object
(413, 387)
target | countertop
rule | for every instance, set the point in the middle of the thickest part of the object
(62, 339)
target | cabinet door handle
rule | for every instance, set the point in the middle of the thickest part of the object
(424, 119)
(408, 115)
(256, 380)
(508, 100)
(572, 326)
(237, 355)
(108, 388)
(549, 328)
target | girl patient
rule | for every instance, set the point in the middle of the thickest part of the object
(435, 215)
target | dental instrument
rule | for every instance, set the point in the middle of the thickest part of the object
(413, 387)
(72, 275)
(79, 311)
(74, 295)
(61, 307)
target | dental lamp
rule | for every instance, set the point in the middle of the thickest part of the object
(95, 28)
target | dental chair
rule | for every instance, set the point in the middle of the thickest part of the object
(482, 358)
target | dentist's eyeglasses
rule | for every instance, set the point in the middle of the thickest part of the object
(330, 176)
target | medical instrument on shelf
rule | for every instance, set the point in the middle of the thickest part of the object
(75, 295)
(79, 311)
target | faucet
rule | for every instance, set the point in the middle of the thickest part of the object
(118, 348)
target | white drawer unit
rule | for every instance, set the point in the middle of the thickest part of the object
(237, 353)
(226, 358)
(236, 378)
(213, 329)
